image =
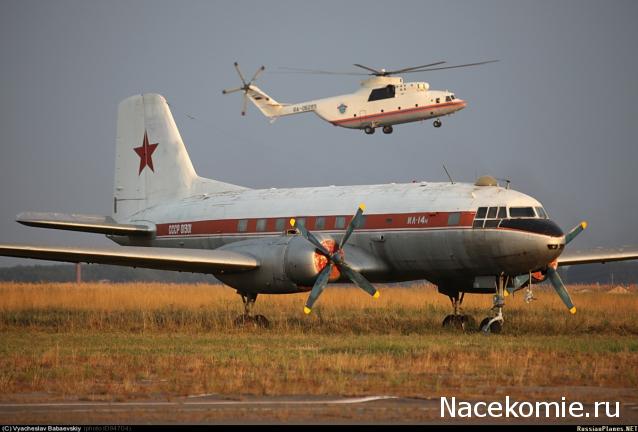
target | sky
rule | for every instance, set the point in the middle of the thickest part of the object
(557, 115)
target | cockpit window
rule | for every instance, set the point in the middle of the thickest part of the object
(540, 211)
(448, 99)
(522, 212)
(481, 212)
(386, 92)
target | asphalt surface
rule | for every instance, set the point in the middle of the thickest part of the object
(214, 409)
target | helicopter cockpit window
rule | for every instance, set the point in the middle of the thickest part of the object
(448, 99)
(386, 92)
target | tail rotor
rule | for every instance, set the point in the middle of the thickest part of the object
(246, 86)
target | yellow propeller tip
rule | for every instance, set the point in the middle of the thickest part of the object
(362, 206)
(572, 310)
(376, 295)
(292, 222)
(583, 224)
(506, 293)
(306, 310)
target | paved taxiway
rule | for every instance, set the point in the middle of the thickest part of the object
(213, 409)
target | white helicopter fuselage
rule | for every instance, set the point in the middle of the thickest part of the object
(380, 102)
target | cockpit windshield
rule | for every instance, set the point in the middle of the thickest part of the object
(522, 212)
(490, 217)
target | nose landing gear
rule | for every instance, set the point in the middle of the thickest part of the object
(494, 323)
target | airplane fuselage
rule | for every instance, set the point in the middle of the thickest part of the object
(434, 231)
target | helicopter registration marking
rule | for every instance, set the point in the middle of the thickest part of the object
(303, 108)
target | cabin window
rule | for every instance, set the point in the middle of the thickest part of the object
(340, 222)
(320, 223)
(448, 99)
(522, 212)
(261, 225)
(280, 224)
(242, 225)
(388, 221)
(386, 92)
(438, 100)
(454, 218)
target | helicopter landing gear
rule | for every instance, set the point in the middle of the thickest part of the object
(247, 318)
(387, 129)
(494, 324)
(369, 130)
(437, 123)
(457, 320)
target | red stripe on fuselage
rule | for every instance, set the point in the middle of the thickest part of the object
(423, 220)
(401, 111)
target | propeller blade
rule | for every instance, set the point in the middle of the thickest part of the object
(259, 71)
(452, 67)
(575, 231)
(228, 91)
(558, 285)
(241, 76)
(376, 72)
(354, 223)
(414, 67)
(310, 237)
(317, 289)
(356, 277)
(244, 105)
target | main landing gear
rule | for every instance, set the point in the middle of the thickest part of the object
(437, 123)
(248, 318)
(369, 130)
(458, 320)
(494, 323)
(387, 129)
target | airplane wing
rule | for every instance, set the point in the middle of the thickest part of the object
(85, 223)
(598, 255)
(188, 260)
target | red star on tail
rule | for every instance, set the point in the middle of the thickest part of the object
(145, 152)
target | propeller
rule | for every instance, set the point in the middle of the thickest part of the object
(245, 86)
(552, 273)
(382, 72)
(335, 259)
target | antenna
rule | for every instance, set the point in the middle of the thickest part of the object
(448, 174)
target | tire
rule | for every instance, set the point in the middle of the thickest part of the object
(437, 123)
(368, 130)
(387, 129)
(496, 327)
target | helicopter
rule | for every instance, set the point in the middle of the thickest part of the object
(383, 100)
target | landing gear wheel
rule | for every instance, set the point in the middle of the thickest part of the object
(495, 327)
(251, 321)
(387, 129)
(461, 322)
(437, 123)
(368, 130)
(261, 321)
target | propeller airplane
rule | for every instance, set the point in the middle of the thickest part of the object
(463, 237)
(382, 101)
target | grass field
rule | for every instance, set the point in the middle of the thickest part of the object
(134, 341)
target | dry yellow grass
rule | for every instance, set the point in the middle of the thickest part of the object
(120, 341)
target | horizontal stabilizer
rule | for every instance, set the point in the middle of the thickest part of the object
(85, 223)
(598, 255)
(187, 260)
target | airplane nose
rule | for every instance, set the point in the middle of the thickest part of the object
(462, 104)
(537, 226)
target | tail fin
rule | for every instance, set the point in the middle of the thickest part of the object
(151, 162)
(267, 105)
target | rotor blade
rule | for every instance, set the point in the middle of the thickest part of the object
(558, 285)
(317, 288)
(233, 90)
(575, 231)
(241, 76)
(259, 71)
(311, 238)
(244, 106)
(356, 278)
(414, 67)
(354, 223)
(315, 72)
(452, 67)
(377, 72)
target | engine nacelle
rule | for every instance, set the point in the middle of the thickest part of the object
(288, 264)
